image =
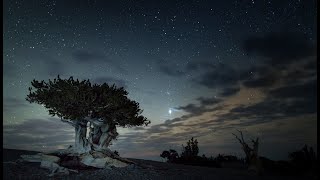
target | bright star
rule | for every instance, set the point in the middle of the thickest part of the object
(170, 111)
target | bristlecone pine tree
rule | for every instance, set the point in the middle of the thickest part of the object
(100, 108)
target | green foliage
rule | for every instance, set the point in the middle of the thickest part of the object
(304, 160)
(226, 158)
(74, 100)
(191, 150)
(305, 154)
(170, 155)
(189, 156)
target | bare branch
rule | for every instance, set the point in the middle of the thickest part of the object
(241, 135)
(237, 138)
(96, 122)
(69, 122)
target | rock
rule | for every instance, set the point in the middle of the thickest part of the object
(49, 165)
(40, 157)
(72, 162)
(62, 152)
(131, 167)
(89, 160)
(31, 158)
(101, 162)
(54, 168)
(115, 162)
(47, 162)
(50, 158)
(97, 154)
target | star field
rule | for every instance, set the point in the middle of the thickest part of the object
(201, 64)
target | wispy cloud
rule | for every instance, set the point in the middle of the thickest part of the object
(87, 56)
(38, 134)
(110, 81)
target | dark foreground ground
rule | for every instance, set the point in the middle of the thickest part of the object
(148, 170)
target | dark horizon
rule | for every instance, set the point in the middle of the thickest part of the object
(199, 69)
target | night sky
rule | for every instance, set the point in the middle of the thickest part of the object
(198, 68)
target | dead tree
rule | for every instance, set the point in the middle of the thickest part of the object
(252, 158)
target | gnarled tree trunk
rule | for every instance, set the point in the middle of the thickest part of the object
(103, 135)
(81, 143)
(99, 138)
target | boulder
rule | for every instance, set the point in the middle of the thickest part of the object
(54, 168)
(40, 157)
(100, 161)
(50, 158)
(47, 162)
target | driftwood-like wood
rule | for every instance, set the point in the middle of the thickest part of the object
(252, 158)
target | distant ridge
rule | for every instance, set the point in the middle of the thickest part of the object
(14, 154)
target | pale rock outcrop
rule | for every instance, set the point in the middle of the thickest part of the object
(48, 162)
(99, 161)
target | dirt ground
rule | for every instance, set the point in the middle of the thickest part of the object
(144, 169)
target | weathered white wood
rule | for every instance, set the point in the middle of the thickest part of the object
(47, 162)
(50, 158)
(102, 161)
(40, 157)
(95, 122)
(81, 143)
(31, 158)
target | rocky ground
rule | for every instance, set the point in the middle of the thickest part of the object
(144, 169)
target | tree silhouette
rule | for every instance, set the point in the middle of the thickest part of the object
(304, 159)
(191, 150)
(252, 158)
(98, 107)
(170, 155)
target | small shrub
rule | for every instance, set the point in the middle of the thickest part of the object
(116, 153)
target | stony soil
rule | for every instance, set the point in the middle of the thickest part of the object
(143, 170)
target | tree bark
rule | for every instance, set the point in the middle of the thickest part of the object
(103, 135)
(81, 143)
(252, 158)
(99, 138)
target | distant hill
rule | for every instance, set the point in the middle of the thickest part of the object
(14, 154)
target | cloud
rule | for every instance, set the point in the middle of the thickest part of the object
(33, 134)
(207, 74)
(86, 56)
(55, 67)
(287, 101)
(306, 91)
(191, 108)
(11, 103)
(221, 75)
(208, 101)
(195, 110)
(280, 47)
(10, 70)
(278, 107)
(262, 80)
(199, 66)
(311, 65)
(229, 91)
(110, 81)
(170, 69)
